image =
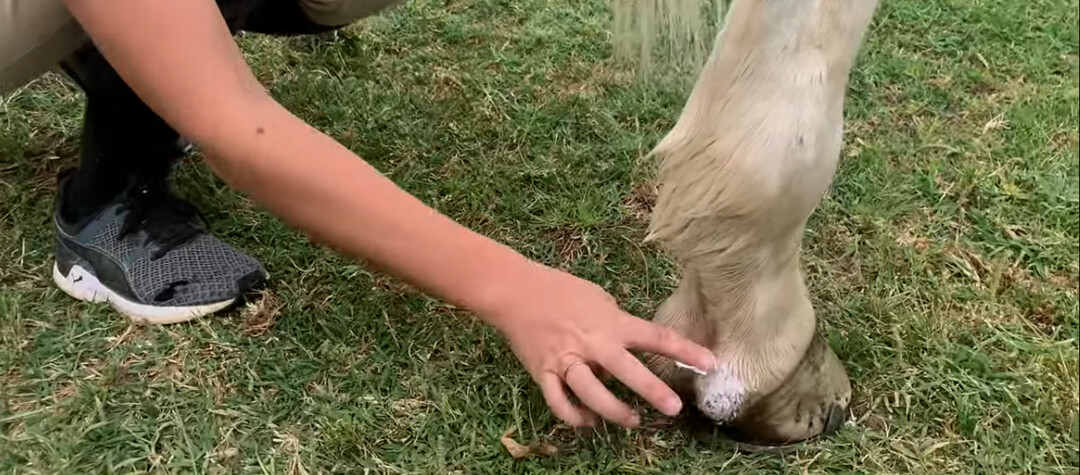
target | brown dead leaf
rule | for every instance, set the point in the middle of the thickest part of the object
(261, 314)
(518, 451)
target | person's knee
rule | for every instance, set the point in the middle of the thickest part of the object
(343, 12)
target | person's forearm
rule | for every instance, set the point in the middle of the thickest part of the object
(319, 186)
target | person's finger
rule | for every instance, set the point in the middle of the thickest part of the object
(592, 393)
(631, 372)
(555, 396)
(655, 338)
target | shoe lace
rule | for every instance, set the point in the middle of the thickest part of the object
(167, 220)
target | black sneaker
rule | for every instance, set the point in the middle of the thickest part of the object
(147, 254)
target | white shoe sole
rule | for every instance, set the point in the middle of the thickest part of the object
(82, 285)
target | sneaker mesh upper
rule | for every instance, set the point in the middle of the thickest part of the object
(206, 268)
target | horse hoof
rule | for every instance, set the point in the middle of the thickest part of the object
(812, 402)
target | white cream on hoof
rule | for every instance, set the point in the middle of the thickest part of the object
(720, 393)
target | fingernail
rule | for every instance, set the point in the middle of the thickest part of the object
(634, 420)
(672, 406)
(713, 362)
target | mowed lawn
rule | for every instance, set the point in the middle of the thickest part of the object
(942, 263)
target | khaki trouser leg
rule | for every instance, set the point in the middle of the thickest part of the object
(34, 36)
(343, 12)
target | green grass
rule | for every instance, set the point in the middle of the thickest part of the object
(943, 262)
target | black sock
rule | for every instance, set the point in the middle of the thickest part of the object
(122, 139)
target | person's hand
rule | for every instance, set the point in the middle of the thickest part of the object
(565, 330)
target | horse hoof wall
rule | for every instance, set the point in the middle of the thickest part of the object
(811, 402)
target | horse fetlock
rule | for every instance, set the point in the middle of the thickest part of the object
(777, 381)
(812, 401)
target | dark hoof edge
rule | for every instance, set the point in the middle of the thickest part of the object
(817, 377)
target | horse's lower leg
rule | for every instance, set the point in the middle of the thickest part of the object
(751, 156)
